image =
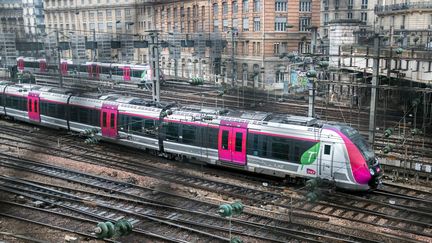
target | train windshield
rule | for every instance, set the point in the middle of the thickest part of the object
(360, 142)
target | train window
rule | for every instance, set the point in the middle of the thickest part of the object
(149, 128)
(296, 154)
(29, 105)
(225, 135)
(35, 106)
(94, 118)
(212, 134)
(136, 124)
(1, 100)
(327, 149)
(172, 132)
(104, 119)
(238, 142)
(189, 134)
(280, 148)
(112, 120)
(264, 146)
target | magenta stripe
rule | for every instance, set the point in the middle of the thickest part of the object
(283, 136)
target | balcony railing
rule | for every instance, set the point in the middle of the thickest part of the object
(402, 7)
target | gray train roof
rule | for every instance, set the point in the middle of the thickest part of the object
(248, 115)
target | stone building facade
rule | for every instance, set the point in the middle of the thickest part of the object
(258, 33)
(11, 17)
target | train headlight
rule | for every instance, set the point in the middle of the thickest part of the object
(372, 172)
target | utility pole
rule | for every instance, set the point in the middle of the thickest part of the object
(154, 64)
(233, 63)
(94, 44)
(375, 83)
(59, 59)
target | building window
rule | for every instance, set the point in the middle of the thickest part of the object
(118, 27)
(336, 16)
(245, 24)
(109, 26)
(235, 24)
(305, 6)
(363, 16)
(92, 26)
(257, 24)
(118, 13)
(280, 23)
(364, 4)
(246, 48)
(224, 8)
(349, 15)
(350, 4)
(225, 25)
(245, 6)
(101, 26)
(109, 13)
(257, 5)
(100, 15)
(304, 23)
(326, 19)
(215, 10)
(128, 12)
(234, 7)
(276, 47)
(215, 25)
(281, 5)
(336, 4)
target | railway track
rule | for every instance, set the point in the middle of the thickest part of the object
(268, 229)
(253, 196)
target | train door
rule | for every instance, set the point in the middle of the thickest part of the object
(42, 66)
(326, 166)
(33, 107)
(20, 64)
(64, 68)
(97, 71)
(90, 70)
(108, 121)
(126, 73)
(232, 144)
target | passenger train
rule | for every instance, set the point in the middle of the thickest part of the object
(267, 143)
(130, 73)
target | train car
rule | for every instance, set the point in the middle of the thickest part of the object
(279, 145)
(128, 73)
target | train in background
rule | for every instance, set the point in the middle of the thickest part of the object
(128, 73)
(267, 143)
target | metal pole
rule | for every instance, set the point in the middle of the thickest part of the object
(234, 68)
(311, 107)
(94, 45)
(375, 83)
(59, 59)
(154, 64)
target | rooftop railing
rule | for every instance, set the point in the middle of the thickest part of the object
(402, 7)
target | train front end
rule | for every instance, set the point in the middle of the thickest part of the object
(365, 166)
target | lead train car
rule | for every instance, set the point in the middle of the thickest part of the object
(265, 143)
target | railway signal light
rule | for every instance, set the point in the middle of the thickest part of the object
(388, 132)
